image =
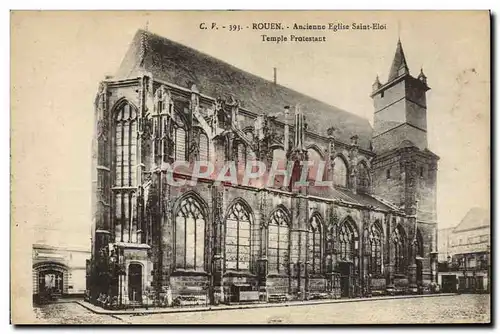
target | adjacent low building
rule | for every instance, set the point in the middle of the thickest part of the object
(464, 254)
(58, 271)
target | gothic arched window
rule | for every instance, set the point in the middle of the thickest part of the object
(238, 232)
(400, 256)
(279, 158)
(125, 161)
(317, 168)
(180, 143)
(125, 146)
(375, 240)
(340, 172)
(190, 235)
(363, 178)
(278, 241)
(125, 216)
(204, 147)
(346, 241)
(241, 154)
(314, 254)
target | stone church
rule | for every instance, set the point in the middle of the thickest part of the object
(372, 232)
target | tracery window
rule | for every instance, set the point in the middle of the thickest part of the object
(340, 172)
(363, 177)
(346, 241)
(204, 148)
(375, 240)
(241, 153)
(180, 143)
(190, 235)
(278, 243)
(125, 216)
(125, 161)
(314, 254)
(125, 146)
(317, 167)
(238, 232)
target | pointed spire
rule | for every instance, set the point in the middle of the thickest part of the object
(299, 128)
(399, 66)
(422, 76)
(376, 85)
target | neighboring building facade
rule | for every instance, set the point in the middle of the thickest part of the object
(443, 243)
(465, 264)
(58, 271)
(374, 231)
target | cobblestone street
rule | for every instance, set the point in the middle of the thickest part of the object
(442, 309)
(71, 313)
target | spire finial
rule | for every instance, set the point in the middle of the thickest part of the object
(422, 76)
(399, 66)
(147, 26)
(376, 85)
(399, 31)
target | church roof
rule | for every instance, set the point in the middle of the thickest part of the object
(183, 66)
(346, 195)
(475, 218)
(399, 65)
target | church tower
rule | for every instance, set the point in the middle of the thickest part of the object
(400, 107)
(404, 170)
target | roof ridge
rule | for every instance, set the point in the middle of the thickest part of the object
(238, 69)
(474, 218)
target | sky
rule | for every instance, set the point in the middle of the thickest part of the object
(58, 59)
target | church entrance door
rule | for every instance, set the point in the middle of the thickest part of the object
(419, 272)
(135, 283)
(50, 283)
(346, 278)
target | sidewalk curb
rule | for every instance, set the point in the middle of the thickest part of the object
(98, 310)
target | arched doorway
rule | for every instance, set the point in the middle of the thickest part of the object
(348, 259)
(51, 282)
(135, 283)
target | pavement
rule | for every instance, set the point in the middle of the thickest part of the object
(429, 309)
(142, 311)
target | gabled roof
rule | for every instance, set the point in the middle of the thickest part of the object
(399, 65)
(475, 218)
(183, 66)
